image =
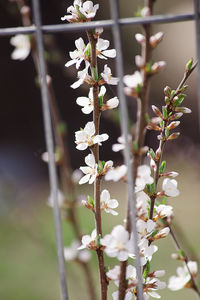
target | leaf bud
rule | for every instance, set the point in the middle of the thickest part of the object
(189, 64)
(184, 110)
(167, 91)
(174, 136)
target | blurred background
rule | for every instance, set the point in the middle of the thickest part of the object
(28, 265)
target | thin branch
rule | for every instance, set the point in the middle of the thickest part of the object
(95, 150)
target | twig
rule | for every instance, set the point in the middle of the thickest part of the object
(95, 150)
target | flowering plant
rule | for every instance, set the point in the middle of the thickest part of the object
(154, 214)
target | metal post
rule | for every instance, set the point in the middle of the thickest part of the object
(50, 147)
(124, 130)
(197, 23)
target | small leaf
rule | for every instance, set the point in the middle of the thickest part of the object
(162, 167)
(90, 200)
(181, 253)
(151, 153)
(95, 73)
(146, 270)
(189, 64)
(167, 132)
(165, 114)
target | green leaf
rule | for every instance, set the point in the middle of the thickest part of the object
(151, 153)
(95, 72)
(154, 233)
(62, 127)
(172, 93)
(148, 66)
(162, 167)
(181, 253)
(164, 111)
(180, 99)
(100, 166)
(167, 132)
(147, 118)
(101, 101)
(151, 188)
(81, 16)
(135, 146)
(90, 200)
(163, 200)
(146, 270)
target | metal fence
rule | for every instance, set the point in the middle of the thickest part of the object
(38, 29)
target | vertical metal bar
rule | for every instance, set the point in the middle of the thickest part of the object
(124, 130)
(50, 148)
(197, 23)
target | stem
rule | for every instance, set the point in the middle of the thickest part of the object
(139, 134)
(95, 150)
(65, 169)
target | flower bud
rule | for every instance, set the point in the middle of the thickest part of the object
(140, 38)
(176, 116)
(184, 110)
(162, 233)
(174, 136)
(157, 66)
(173, 125)
(157, 111)
(155, 39)
(139, 61)
(145, 12)
(174, 256)
(167, 91)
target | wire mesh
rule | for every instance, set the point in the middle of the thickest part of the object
(38, 29)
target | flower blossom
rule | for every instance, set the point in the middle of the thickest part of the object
(71, 253)
(133, 83)
(82, 76)
(178, 282)
(107, 76)
(22, 46)
(86, 137)
(145, 228)
(78, 55)
(146, 251)
(88, 102)
(121, 143)
(89, 241)
(117, 173)
(142, 204)
(108, 204)
(143, 177)
(90, 171)
(81, 11)
(101, 47)
(117, 244)
(170, 187)
(164, 211)
(152, 285)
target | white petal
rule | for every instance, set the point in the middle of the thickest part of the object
(87, 109)
(113, 203)
(90, 160)
(90, 128)
(105, 196)
(82, 146)
(83, 101)
(84, 179)
(110, 53)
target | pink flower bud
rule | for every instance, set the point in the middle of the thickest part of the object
(145, 12)
(140, 38)
(155, 39)
(158, 66)
(184, 110)
(173, 125)
(139, 61)
(174, 136)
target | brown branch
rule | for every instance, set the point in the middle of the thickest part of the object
(95, 150)
(64, 164)
(140, 131)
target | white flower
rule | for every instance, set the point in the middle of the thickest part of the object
(117, 243)
(88, 102)
(88, 241)
(143, 177)
(142, 204)
(114, 274)
(146, 251)
(164, 210)
(101, 47)
(22, 46)
(82, 75)
(170, 187)
(76, 175)
(80, 11)
(88, 9)
(162, 233)
(178, 282)
(72, 253)
(193, 267)
(132, 81)
(60, 198)
(128, 295)
(110, 104)
(90, 171)
(78, 55)
(117, 173)
(86, 137)
(153, 284)
(121, 145)
(145, 228)
(108, 204)
(107, 76)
